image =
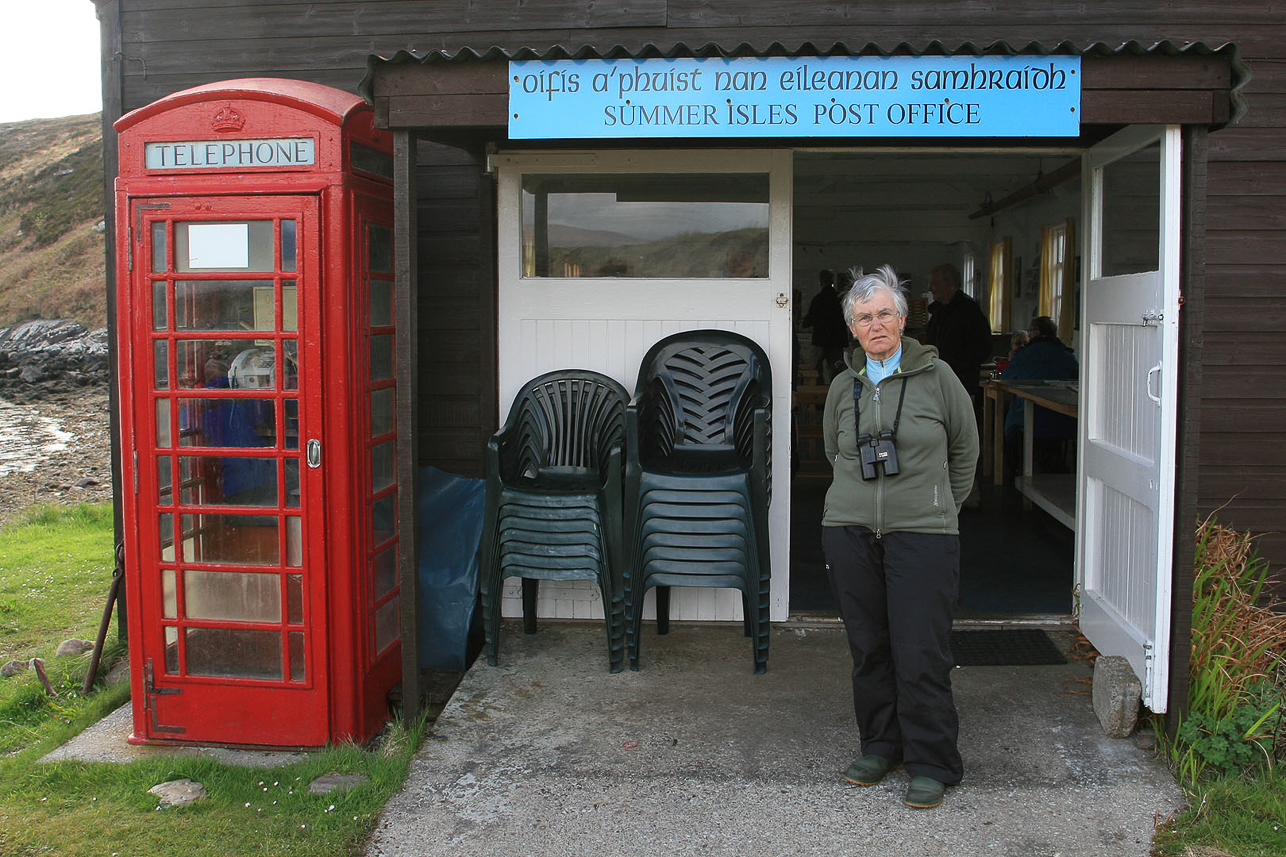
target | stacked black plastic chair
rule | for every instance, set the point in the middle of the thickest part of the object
(554, 499)
(698, 443)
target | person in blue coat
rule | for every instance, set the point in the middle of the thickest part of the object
(1044, 358)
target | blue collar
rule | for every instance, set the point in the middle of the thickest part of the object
(878, 370)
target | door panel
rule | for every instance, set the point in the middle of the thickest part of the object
(231, 566)
(651, 255)
(1129, 400)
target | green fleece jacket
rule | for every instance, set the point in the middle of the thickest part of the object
(937, 446)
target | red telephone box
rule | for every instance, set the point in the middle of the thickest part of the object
(256, 336)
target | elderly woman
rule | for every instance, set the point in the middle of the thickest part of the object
(900, 433)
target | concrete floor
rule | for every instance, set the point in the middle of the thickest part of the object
(549, 754)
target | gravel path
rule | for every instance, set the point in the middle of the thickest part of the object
(55, 449)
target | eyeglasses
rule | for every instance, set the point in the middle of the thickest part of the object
(884, 316)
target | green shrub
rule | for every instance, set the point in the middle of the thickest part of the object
(1234, 721)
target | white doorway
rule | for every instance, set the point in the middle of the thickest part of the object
(601, 254)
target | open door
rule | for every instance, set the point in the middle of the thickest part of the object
(1129, 400)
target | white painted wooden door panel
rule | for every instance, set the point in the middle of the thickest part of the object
(1128, 408)
(607, 324)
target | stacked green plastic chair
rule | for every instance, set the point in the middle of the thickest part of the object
(554, 503)
(698, 478)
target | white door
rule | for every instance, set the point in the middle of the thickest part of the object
(601, 254)
(1129, 400)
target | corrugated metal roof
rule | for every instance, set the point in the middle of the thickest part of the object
(1241, 73)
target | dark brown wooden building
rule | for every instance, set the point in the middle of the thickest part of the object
(1200, 84)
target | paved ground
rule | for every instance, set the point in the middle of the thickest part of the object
(549, 754)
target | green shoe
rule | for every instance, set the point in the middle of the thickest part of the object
(869, 770)
(924, 793)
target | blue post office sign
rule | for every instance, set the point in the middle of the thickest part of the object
(992, 96)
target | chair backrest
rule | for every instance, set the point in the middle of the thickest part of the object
(699, 387)
(570, 418)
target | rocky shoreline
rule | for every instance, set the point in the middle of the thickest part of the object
(55, 442)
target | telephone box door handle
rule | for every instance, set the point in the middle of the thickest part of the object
(314, 453)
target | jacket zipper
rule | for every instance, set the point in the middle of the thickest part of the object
(879, 485)
(879, 421)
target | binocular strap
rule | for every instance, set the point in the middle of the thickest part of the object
(857, 409)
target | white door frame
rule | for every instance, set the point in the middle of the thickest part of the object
(607, 324)
(1129, 421)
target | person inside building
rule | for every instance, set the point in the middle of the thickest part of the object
(830, 333)
(900, 432)
(958, 328)
(1017, 341)
(1044, 358)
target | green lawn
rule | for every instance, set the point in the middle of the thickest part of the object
(55, 569)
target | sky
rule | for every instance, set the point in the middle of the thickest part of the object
(49, 59)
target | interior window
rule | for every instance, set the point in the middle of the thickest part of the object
(638, 225)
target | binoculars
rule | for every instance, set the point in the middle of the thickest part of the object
(878, 451)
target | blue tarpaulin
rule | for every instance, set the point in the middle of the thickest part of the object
(449, 524)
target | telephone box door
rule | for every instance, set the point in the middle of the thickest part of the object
(225, 307)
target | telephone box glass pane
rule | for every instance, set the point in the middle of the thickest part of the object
(382, 519)
(288, 262)
(158, 247)
(384, 568)
(294, 599)
(386, 625)
(161, 364)
(382, 469)
(289, 306)
(381, 303)
(668, 226)
(160, 311)
(226, 246)
(292, 483)
(234, 653)
(163, 423)
(232, 596)
(228, 481)
(236, 423)
(225, 305)
(165, 530)
(296, 655)
(382, 413)
(238, 539)
(291, 407)
(381, 358)
(204, 363)
(381, 248)
(169, 596)
(164, 481)
(290, 350)
(294, 542)
(172, 650)
(1131, 242)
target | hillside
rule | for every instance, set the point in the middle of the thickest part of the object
(51, 205)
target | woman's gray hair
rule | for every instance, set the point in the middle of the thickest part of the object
(867, 286)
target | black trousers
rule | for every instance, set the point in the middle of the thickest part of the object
(896, 595)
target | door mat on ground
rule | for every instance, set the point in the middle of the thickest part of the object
(1004, 647)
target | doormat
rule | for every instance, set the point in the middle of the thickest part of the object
(1004, 647)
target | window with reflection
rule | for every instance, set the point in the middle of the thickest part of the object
(1131, 236)
(645, 225)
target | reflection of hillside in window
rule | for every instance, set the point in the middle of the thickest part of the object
(654, 226)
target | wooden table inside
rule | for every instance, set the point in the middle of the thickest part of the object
(1056, 493)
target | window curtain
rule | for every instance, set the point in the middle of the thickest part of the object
(998, 296)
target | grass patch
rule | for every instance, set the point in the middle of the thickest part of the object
(1240, 816)
(55, 568)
